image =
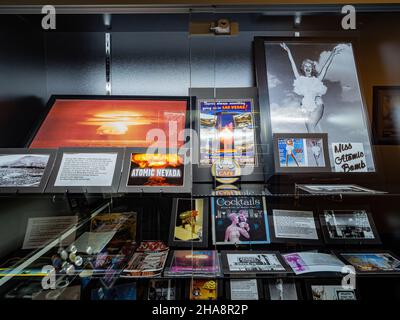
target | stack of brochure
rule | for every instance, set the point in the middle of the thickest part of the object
(148, 260)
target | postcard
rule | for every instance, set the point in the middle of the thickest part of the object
(293, 224)
(239, 220)
(305, 262)
(373, 262)
(196, 262)
(253, 262)
(243, 289)
(348, 225)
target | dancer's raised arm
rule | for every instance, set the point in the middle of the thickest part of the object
(294, 67)
(328, 62)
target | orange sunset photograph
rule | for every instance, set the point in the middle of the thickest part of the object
(110, 123)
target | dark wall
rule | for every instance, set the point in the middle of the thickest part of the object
(22, 80)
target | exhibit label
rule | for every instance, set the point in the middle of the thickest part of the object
(349, 157)
(86, 169)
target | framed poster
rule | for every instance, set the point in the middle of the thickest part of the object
(154, 172)
(227, 130)
(310, 85)
(329, 289)
(189, 223)
(93, 170)
(253, 262)
(297, 226)
(351, 226)
(301, 153)
(25, 170)
(386, 114)
(112, 121)
(227, 123)
(371, 262)
(239, 220)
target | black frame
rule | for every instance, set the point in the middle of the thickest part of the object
(325, 282)
(285, 280)
(323, 136)
(244, 243)
(54, 98)
(294, 241)
(260, 288)
(377, 115)
(262, 84)
(123, 185)
(203, 173)
(46, 174)
(339, 254)
(189, 244)
(51, 188)
(226, 270)
(346, 208)
(365, 191)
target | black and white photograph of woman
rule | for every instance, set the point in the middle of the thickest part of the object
(308, 84)
(313, 87)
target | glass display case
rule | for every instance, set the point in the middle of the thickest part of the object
(200, 153)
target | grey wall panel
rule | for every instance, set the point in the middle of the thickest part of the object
(150, 63)
(75, 63)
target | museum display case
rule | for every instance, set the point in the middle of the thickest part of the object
(200, 153)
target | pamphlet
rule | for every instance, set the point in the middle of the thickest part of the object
(41, 231)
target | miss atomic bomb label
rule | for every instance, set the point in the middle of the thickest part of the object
(156, 170)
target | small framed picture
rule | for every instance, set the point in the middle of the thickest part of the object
(253, 262)
(25, 170)
(371, 262)
(296, 226)
(351, 226)
(329, 289)
(301, 152)
(189, 223)
(386, 114)
(165, 172)
(244, 289)
(282, 289)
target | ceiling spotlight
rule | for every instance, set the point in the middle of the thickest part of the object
(297, 19)
(107, 20)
